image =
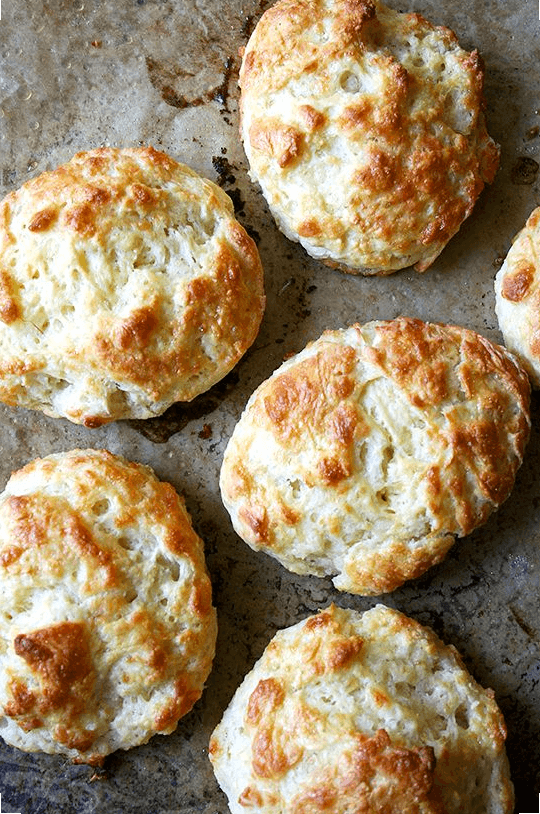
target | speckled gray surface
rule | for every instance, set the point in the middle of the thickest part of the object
(81, 73)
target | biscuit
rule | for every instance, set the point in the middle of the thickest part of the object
(364, 128)
(368, 713)
(107, 625)
(364, 456)
(126, 284)
(517, 297)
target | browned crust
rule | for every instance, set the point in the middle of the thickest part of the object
(60, 658)
(276, 140)
(516, 286)
(9, 307)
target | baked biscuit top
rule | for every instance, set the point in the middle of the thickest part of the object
(365, 129)
(365, 455)
(368, 713)
(107, 625)
(126, 284)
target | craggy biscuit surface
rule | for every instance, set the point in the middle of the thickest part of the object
(126, 284)
(107, 625)
(517, 297)
(365, 455)
(365, 129)
(372, 713)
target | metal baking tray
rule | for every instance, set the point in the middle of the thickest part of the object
(76, 74)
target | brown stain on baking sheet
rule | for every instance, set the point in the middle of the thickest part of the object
(165, 78)
(524, 171)
(160, 429)
(224, 170)
(525, 627)
(226, 179)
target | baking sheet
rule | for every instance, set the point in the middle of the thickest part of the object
(76, 74)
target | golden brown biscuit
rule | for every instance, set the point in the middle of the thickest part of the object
(372, 713)
(517, 297)
(365, 455)
(126, 284)
(107, 626)
(365, 129)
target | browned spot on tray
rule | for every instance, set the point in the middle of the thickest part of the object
(94, 421)
(169, 79)
(159, 430)
(524, 171)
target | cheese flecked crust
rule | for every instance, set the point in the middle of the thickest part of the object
(365, 129)
(107, 629)
(365, 455)
(367, 713)
(517, 297)
(126, 284)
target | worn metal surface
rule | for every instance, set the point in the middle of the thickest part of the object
(80, 73)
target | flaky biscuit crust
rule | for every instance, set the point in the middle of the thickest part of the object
(367, 713)
(126, 284)
(107, 626)
(365, 455)
(365, 129)
(517, 297)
